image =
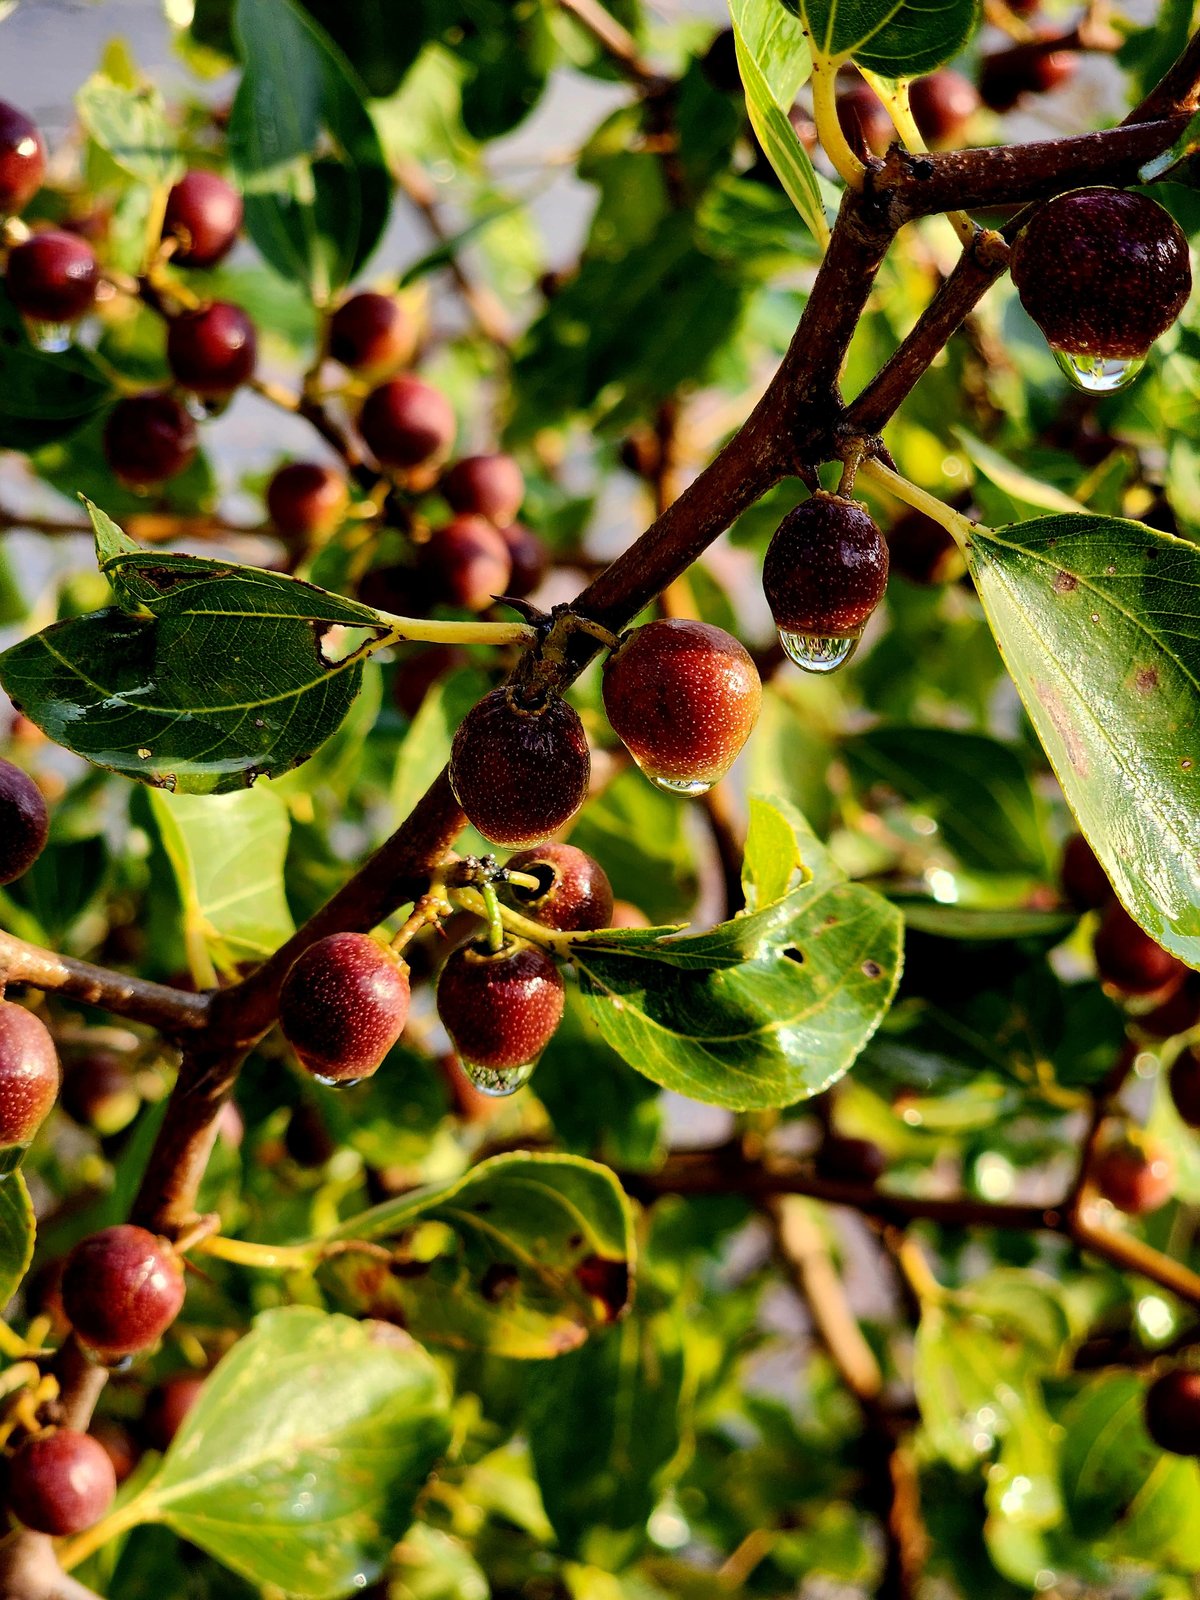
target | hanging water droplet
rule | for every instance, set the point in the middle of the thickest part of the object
(684, 786)
(499, 1081)
(817, 652)
(53, 337)
(337, 1083)
(1099, 374)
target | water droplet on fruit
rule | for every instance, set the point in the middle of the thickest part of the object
(817, 652)
(684, 786)
(53, 337)
(336, 1083)
(1099, 374)
(499, 1081)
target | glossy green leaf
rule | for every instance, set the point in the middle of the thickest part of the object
(43, 395)
(763, 1010)
(131, 125)
(1099, 622)
(305, 149)
(896, 40)
(524, 1256)
(18, 1231)
(300, 1463)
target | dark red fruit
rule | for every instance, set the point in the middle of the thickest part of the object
(486, 486)
(573, 892)
(307, 500)
(118, 1445)
(53, 277)
(24, 822)
(307, 1138)
(99, 1092)
(1178, 1013)
(168, 1407)
(204, 214)
(122, 1288)
(500, 1009)
(1084, 881)
(1173, 1412)
(942, 105)
(826, 569)
(920, 549)
(1034, 67)
(467, 563)
(868, 128)
(406, 423)
(1185, 1086)
(22, 160)
(840, 1159)
(369, 333)
(683, 697)
(519, 767)
(61, 1482)
(147, 438)
(343, 1006)
(626, 915)
(1136, 1178)
(418, 671)
(212, 351)
(529, 558)
(29, 1075)
(1129, 959)
(1102, 273)
(719, 63)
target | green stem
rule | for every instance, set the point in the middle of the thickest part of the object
(269, 1257)
(424, 630)
(474, 900)
(108, 1528)
(960, 528)
(495, 924)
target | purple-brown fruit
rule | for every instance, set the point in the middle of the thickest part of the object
(1184, 1083)
(418, 670)
(500, 1009)
(212, 351)
(1102, 273)
(529, 558)
(519, 765)
(168, 1407)
(24, 822)
(369, 332)
(22, 160)
(1084, 881)
(942, 105)
(148, 438)
(1036, 66)
(60, 1482)
(52, 277)
(343, 1006)
(841, 1159)
(826, 569)
(1178, 1013)
(203, 214)
(486, 486)
(307, 500)
(868, 129)
(1129, 959)
(920, 549)
(1172, 1412)
(683, 697)
(29, 1075)
(99, 1092)
(573, 893)
(122, 1288)
(1136, 1178)
(467, 563)
(407, 423)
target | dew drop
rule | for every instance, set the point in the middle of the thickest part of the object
(817, 652)
(52, 337)
(337, 1083)
(499, 1081)
(1099, 374)
(688, 787)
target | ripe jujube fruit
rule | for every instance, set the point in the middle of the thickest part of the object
(52, 277)
(307, 500)
(519, 765)
(418, 670)
(147, 438)
(406, 423)
(529, 558)
(683, 698)
(1103, 273)
(369, 332)
(467, 563)
(626, 915)
(212, 351)
(1036, 66)
(841, 1159)
(118, 1445)
(1184, 1083)
(22, 160)
(864, 121)
(486, 486)
(24, 822)
(1172, 1411)
(920, 549)
(343, 1006)
(122, 1288)
(1137, 1178)
(1178, 1013)
(203, 214)
(99, 1092)
(942, 105)
(1129, 959)
(573, 892)
(1084, 881)
(500, 1009)
(60, 1482)
(825, 571)
(168, 1407)
(29, 1075)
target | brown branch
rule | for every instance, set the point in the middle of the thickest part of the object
(486, 308)
(616, 41)
(174, 1011)
(150, 527)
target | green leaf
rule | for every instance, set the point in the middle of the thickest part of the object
(1099, 622)
(901, 40)
(300, 1462)
(213, 675)
(305, 149)
(763, 1010)
(43, 395)
(524, 1256)
(1013, 480)
(18, 1231)
(637, 834)
(131, 125)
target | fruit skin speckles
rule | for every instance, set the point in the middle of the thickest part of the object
(575, 895)
(122, 1288)
(343, 1006)
(29, 1075)
(500, 1009)
(826, 568)
(520, 769)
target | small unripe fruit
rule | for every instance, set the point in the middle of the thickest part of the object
(1035, 66)
(60, 1483)
(1172, 1412)
(99, 1092)
(1136, 1178)
(212, 351)
(864, 121)
(52, 277)
(204, 214)
(486, 486)
(1102, 273)
(467, 563)
(942, 105)
(29, 1075)
(1084, 881)
(920, 549)
(168, 1407)
(307, 500)
(148, 438)
(343, 1006)
(406, 423)
(1129, 959)
(840, 1159)
(519, 767)
(573, 893)
(22, 160)
(1185, 1086)
(825, 571)
(24, 822)
(529, 558)
(500, 1010)
(122, 1288)
(683, 697)
(369, 333)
